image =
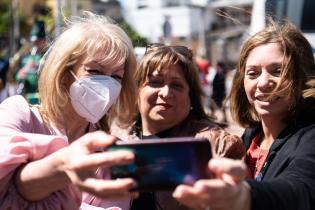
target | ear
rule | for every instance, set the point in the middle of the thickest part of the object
(67, 80)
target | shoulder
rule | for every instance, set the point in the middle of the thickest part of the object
(122, 133)
(306, 134)
(202, 125)
(15, 104)
(224, 143)
(15, 112)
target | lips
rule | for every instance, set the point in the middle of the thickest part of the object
(266, 98)
(166, 106)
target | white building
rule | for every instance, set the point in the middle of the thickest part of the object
(230, 20)
(186, 18)
(193, 22)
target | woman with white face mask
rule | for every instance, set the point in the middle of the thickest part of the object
(48, 151)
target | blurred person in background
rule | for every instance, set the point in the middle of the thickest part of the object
(26, 76)
(203, 65)
(272, 99)
(48, 153)
(170, 105)
(219, 90)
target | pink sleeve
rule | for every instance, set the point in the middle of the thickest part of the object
(19, 146)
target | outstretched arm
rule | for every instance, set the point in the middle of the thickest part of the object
(75, 164)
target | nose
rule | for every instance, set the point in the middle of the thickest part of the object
(265, 81)
(165, 91)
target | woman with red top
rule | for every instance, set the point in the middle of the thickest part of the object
(271, 98)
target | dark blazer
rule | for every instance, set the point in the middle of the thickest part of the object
(287, 179)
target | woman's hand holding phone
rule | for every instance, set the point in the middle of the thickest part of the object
(228, 180)
(162, 164)
(80, 163)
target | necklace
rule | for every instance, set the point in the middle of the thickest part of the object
(257, 160)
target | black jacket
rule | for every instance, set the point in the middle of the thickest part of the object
(288, 175)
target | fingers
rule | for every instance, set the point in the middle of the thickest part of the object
(204, 193)
(81, 159)
(212, 193)
(110, 189)
(106, 159)
(97, 140)
(81, 162)
(185, 195)
(229, 170)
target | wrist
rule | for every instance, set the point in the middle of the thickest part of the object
(245, 197)
(60, 163)
(36, 180)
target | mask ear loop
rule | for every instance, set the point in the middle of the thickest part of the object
(75, 77)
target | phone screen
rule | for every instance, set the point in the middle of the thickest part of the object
(162, 164)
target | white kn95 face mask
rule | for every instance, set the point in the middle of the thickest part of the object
(92, 96)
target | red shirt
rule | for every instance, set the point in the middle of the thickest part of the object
(255, 157)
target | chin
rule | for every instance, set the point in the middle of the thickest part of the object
(271, 113)
(161, 119)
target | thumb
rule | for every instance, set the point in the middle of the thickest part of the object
(98, 140)
(229, 170)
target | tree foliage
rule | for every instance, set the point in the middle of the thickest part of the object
(5, 15)
(135, 37)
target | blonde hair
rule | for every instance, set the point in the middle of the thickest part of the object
(88, 35)
(298, 68)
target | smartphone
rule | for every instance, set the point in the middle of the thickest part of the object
(162, 164)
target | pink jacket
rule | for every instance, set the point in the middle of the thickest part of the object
(25, 138)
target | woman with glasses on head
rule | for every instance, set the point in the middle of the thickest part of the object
(170, 105)
(170, 100)
(272, 99)
(48, 155)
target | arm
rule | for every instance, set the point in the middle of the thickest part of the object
(36, 165)
(287, 192)
(75, 164)
(20, 144)
(290, 179)
(290, 187)
(38, 179)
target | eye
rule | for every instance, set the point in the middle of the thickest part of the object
(177, 85)
(93, 71)
(277, 71)
(117, 77)
(154, 82)
(251, 73)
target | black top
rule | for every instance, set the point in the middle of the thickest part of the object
(287, 178)
(146, 200)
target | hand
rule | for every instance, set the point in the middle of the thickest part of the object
(80, 163)
(226, 191)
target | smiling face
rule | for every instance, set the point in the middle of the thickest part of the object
(262, 75)
(164, 100)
